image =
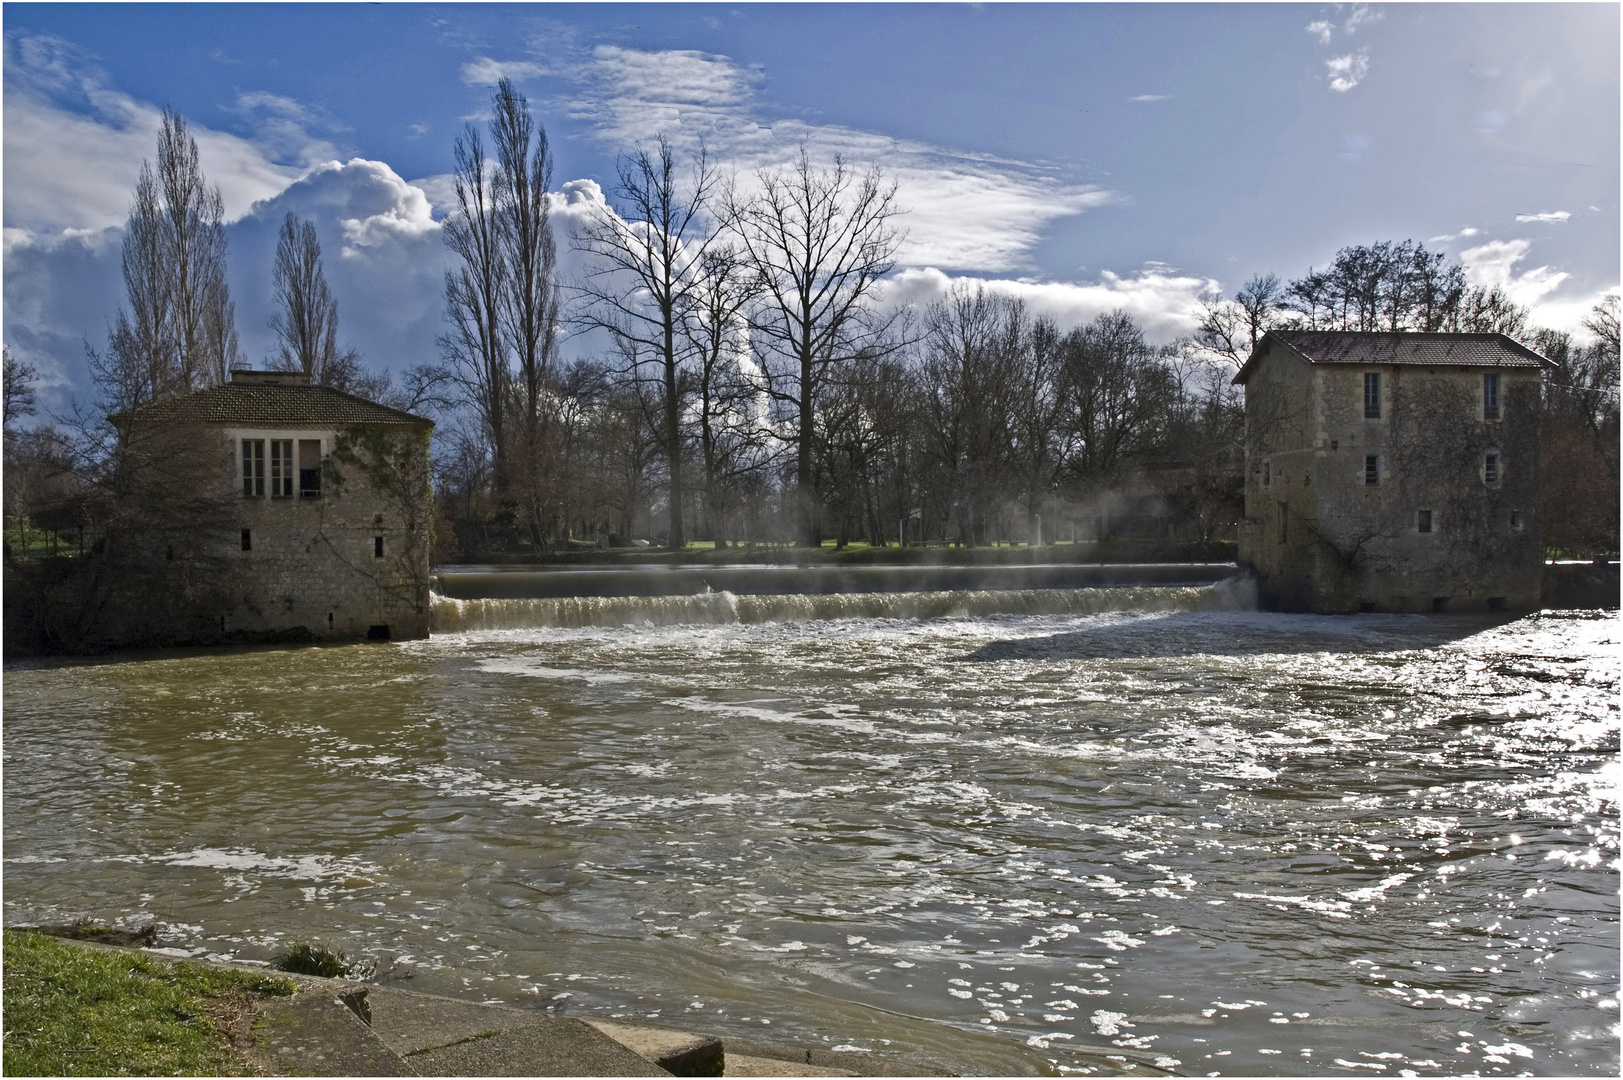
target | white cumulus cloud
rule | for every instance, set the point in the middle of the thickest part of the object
(1322, 29)
(1347, 71)
(1552, 216)
(1164, 301)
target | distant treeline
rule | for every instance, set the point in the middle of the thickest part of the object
(753, 382)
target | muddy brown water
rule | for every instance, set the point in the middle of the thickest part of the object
(1078, 831)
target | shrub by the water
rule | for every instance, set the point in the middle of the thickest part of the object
(304, 958)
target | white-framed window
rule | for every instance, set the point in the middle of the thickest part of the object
(253, 469)
(281, 468)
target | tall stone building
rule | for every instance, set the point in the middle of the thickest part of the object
(1392, 471)
(332, 505)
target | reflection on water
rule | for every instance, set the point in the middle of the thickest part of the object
(1197, 841)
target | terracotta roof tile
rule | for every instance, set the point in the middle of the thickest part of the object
(278, 406)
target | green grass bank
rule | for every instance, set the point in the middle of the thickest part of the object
(72, 1011)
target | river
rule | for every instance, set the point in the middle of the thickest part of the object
(1066, 831)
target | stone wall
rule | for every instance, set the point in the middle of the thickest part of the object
(1355, 546)
(313, 563)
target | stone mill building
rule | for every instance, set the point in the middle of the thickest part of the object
(1392, 471)
(326, 508)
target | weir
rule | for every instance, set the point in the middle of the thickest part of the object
(490, 583)
(451, 614)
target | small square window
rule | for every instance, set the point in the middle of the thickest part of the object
(1372, 468)
(1423, 521)
(1372, 395)
(377, 547)
(1515, 521)
(247, 539)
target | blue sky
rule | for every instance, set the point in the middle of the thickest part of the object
(1086, 157)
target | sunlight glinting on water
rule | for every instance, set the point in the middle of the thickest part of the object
(1062, 833)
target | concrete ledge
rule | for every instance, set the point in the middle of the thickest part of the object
(551, 1046)
(677, 1052)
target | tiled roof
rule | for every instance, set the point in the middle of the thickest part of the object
(278, 406)
(1423, 350)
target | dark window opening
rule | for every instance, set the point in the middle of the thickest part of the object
(1516, 520)
(1496, 603)
(281, 468)
(377, 633)
(1284, 522)
(247, 539)
(1267, 473)
(377, 547)
(1423, 521)
(1372, 395)
(169, 553)
(1490, 469)
(253, 468)
(1439, 603)
(1490, 396)
(310, 468)
(1372, 468)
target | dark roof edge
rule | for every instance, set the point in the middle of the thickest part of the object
(1251, 361)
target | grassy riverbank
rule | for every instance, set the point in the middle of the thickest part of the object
(72, 1011)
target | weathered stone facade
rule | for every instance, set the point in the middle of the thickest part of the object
(334, 506)
(1392, 472)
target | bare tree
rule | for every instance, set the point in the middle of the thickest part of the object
(178, 333)
(20, 395)
(201, 313)
(1230, 329)
(820, 240)
(530, 308)
(306, 322)
(645, 268)
(475, 347)
(715, 327)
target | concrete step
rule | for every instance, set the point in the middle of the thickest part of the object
(550, 1046)
(678, 1052)
(314, 1033)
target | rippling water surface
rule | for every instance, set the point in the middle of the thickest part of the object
(1190, 841)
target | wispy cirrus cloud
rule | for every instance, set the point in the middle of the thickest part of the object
(483, 71)
(74, 144)
(1553, 216)
(965, 210)
(1152, 97)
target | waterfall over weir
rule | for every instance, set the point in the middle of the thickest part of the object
(451, 615)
